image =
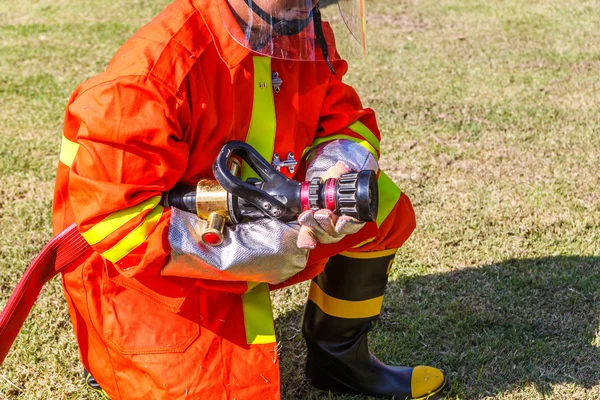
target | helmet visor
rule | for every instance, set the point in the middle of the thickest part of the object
(297, 29)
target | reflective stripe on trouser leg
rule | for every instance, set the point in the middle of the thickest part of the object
(258, 312)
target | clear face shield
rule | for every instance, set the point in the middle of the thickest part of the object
(307, 30)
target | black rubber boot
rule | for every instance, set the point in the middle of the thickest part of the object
(92, 384)
(344, 303)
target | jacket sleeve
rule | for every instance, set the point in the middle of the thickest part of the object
(128, 148)
(343, 116)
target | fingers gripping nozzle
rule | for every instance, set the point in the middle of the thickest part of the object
(229, 199)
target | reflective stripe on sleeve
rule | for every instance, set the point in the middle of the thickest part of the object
(68, 151)
(117, 219)
(362, 130)
(136, 237)
(389, 194)
(363, 143)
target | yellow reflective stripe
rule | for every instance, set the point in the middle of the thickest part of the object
(365, 242)
(261, 131)
(256, 302)
(363, 143)
(344, 308)
(362, 130)
(68, 151)
(134, 238)
(369, 254)
(389, 193)
(117, 219)
(258, 322)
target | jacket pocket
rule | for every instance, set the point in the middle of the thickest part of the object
(139, 321)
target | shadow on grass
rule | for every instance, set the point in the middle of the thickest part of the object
(494, 328)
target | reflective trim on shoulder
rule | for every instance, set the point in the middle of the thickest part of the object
(362, 130)
(68, 151)
(344, 308)
(363, 143)
(258, 314)
(117, 219)
(136, 237)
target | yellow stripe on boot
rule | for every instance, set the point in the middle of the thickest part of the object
(344, 308)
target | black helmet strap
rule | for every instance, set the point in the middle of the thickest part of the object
(321, 37)
(282, 27)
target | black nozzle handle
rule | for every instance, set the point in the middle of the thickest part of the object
(263, 201)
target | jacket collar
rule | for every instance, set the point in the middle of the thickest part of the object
(218, 17)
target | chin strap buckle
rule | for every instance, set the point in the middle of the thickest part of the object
(290, 163)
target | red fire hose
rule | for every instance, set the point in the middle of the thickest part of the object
(66, 248)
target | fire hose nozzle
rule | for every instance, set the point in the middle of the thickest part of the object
(229, 199)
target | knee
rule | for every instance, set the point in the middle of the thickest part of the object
(396, 228)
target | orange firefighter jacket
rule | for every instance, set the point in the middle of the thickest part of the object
(170, 98)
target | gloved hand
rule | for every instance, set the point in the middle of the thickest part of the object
(262, 250)
(323, 226)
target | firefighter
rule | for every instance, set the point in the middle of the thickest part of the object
(157, 313)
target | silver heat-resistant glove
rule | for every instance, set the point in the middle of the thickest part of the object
(331, 160)
(262, 250)
(325, 156)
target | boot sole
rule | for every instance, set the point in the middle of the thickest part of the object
(437, 394)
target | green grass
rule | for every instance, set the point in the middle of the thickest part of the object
(489, 111)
